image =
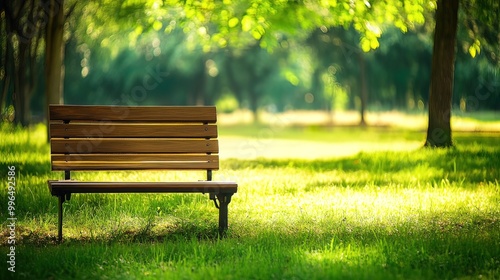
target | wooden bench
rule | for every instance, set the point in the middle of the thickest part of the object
(93, 138)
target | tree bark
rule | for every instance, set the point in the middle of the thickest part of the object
(442, 73)
(54, 56)
(54, 51)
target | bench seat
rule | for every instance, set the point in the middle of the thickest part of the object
(62, 187)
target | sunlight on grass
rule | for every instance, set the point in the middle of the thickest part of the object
(312, 203)
(248, 148)
(16, 143)
(359, 202)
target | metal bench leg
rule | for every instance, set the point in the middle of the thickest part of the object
(62, 198)
(224, 200)
(59, 224)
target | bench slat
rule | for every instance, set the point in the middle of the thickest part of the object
(120, 145)
(204, 114)
(114, 165)
(66, 186)
(135, 157)
(114, 130)
(134, 161)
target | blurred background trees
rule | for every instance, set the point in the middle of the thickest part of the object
(273, 55)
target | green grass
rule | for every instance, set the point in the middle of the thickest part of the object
(374, 214)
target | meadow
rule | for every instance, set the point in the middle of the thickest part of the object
(314, 202)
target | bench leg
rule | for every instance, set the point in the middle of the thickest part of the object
(60, 220)
(224, 200)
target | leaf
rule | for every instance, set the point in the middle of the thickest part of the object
(365, 45)
(246, 23)
(233, 22)
(256, 35)
(374, 43)
(475, 48)
(472, 51)
(157, 25)
(292, 78)
(138, 30)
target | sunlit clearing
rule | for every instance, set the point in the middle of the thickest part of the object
(269, 147)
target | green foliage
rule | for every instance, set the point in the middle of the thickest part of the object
(227, 104)
(236, 23)
(482, 23)
(114, 47)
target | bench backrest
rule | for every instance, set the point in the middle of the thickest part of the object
(132, 138)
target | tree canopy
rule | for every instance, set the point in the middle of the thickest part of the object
(296, 54)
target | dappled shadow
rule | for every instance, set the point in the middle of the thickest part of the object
(148, 232)
(436, 246)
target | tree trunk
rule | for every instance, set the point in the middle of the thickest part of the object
(253, 97)
(5, 91)
(232, 81)
(443, 67)
(7, 62)
(54, 52)
(197, 94)
(54, 56)
(22, 87)
(364, 88)
(317, 89)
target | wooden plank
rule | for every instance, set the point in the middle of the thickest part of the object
(123, 145)
(135, 157)
(67, 186)
(204, 114)
(134, 165)
(106, 129)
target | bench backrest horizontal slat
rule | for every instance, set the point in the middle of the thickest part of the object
(127, 146)
(135, 157)
(204, 114)
(139, 130)
(133, 165)
(133, 137)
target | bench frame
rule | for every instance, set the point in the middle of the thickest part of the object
(105, 138)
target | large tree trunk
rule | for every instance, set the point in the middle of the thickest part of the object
(54, 56)
(443, 67)
(54, 52)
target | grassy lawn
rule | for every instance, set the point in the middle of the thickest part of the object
(313, 203)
